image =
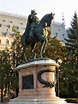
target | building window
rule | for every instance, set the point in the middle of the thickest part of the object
(63, 34)
(8, 26)
(10, 21)
(56, 34)
(21, 23)
(7, 41)
(3, 33)
(17, 27)
(0, 41)
(3, 20)
(11, 34)
(0, 24)
(59, 29)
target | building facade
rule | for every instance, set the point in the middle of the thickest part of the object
(7, 21)
(58, 30)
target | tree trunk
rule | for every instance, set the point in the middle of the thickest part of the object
(1, 90)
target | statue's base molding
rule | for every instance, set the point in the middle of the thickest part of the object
(55, 100)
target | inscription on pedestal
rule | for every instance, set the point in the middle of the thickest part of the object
(27, 82)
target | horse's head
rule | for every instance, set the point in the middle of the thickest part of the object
(52, 15)
(50, 18)
(47, 19)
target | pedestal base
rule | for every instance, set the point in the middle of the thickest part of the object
(54, 100)
(37, 83)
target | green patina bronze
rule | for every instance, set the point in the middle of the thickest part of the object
(36, 31)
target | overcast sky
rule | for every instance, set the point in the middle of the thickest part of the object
(42, 7)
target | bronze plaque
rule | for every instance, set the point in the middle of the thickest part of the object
(27, 82)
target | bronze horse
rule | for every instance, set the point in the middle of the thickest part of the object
(39, 34)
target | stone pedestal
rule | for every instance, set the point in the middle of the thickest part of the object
(37, 83)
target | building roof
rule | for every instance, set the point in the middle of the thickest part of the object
(13, 15)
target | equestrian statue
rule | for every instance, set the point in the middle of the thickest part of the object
(36, 30)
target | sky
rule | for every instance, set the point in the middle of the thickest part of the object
(42, 7)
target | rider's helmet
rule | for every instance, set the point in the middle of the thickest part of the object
(33, 12)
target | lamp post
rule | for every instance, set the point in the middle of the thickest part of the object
(58, 71)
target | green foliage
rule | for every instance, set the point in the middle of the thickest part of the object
(5, 66)
(54, 49)
(5, 69)
(72, 43)
(16, 58)
(69, 78)
(16, 49)
(9, 59)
